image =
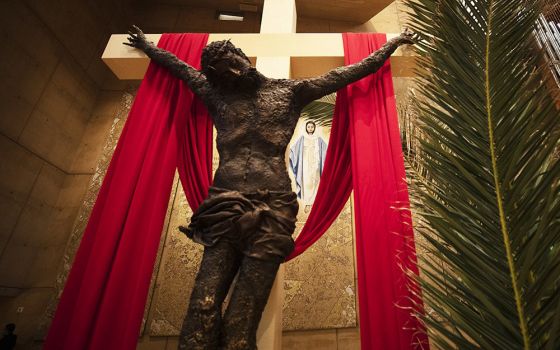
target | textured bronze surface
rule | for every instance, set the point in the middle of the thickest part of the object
(255, 118)
(258, 224)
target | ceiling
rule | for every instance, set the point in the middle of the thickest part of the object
(342, 10)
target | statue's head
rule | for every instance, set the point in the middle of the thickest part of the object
(227, 66)
(310, 127)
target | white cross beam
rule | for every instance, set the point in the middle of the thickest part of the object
(311, 54)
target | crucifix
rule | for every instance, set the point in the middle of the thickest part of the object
(250, 171)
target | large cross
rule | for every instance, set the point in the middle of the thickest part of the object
(278, 53)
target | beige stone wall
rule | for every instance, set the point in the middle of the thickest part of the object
(387, 21)
(50, 75)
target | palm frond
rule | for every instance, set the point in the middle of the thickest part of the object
(486, 185)
(320, 111)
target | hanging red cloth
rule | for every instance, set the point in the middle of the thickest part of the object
(103, 301)
(384, 236)
(365, 154)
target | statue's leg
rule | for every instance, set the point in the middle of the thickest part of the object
(248, 299)
(202, 326)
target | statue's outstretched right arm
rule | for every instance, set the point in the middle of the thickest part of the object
(194, 78)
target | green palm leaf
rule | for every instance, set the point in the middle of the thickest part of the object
(320, 111)
(486, 186)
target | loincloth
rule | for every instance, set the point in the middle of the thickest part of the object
(260, 224)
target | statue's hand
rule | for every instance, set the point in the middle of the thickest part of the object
(409, 37)
(137, 39)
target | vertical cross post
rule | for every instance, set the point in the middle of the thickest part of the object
(279, 16)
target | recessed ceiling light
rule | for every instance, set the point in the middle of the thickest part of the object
(230, 16)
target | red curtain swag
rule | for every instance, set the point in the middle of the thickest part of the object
(103, 301)
(106, 290)
(365, 154)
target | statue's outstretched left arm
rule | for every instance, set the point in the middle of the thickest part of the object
(194, 78)
(308, 90)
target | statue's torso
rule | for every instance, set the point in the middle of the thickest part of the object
(254, 129)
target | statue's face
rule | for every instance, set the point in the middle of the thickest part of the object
(234, 70)
(310, 128)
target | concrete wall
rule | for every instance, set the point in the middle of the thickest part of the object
(52, 124)
(387, 21)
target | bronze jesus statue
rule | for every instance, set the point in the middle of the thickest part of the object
(247, 220)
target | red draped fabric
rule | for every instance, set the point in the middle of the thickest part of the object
(103, 301)
(365, 154)
(384, 236)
